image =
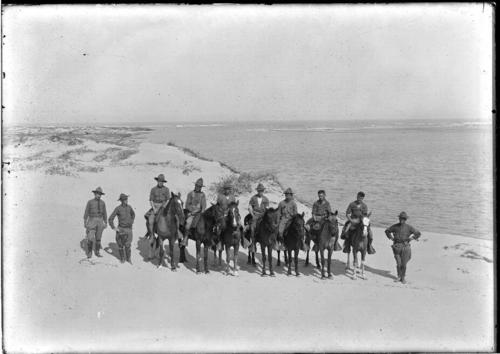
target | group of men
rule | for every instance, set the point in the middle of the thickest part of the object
(95, 218)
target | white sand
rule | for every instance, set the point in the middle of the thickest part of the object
(55, 300)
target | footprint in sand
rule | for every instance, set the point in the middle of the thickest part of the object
(474, 255)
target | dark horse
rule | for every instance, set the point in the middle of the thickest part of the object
(293, 239)
(248, 240)
(169, 220)
(207, 232)
(326, 238)
(266, 234)
(231, 236)
(359, 243)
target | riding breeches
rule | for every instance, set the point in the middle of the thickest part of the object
(95, 226)
(124, 237)
(402, 254)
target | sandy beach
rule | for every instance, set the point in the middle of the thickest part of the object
(55, 300)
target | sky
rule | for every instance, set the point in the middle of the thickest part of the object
(166, 63)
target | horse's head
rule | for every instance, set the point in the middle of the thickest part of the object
(298, 224)
(366, 223)
(216, 213)
(233, 215)
(176, 207)
(270, 218)
(332, 217)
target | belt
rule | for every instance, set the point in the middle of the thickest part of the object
(403, 242)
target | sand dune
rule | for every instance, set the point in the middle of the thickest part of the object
(57, 300)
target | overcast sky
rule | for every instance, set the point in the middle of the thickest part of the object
(92, 64)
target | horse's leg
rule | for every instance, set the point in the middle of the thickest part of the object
(289, 261)
(263, 251)
(161, 255)
(205, 260)
(270, 255)
(330, 252)
(220, 257)
(307, 259)
(363, 254)
(296, 254)
(355, 266)
(215, 257)
(171, 249)
(228, 268)
(253, 258)
(286, 257)
(198, 256)
(318, 265)
(322, 251)
(278, 262)
(347, 267)
(235, 259)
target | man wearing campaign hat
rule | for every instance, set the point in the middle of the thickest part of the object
(257, 207)
(401, 234)
(286, 210)
(226, 197)
(95, 221)
(196, 203)
(321, 208)
(158, 198)
(126, 218)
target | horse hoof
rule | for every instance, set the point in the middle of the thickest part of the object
(297, 274)
(235, 273)
(263, 275)
(207, 271)
(174, 269)
(322, 277)
(330, 276)
(272, 274)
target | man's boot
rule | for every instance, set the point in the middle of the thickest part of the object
(89, 249)
(128, 254)
(371, 250)
(122, 254)
(97, 248)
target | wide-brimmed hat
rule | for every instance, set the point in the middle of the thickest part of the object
(199, 182)
(227, 186)
(288, 191)
(403, 215)
(98, 190)
(260, 187)
(161, 178)
(123, 197)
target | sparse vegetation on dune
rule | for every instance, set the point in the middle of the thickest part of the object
(242, 182)
(197, 155)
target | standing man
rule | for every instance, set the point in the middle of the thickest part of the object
(286, 210)
(257, 207)
(402, 233)
(321, 208)
(354, 213)
(158, 198)
(95, 221)
(196, 203)
(126, 218)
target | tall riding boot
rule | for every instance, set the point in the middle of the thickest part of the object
(97, 248)
(89, 248)
(122, 254)
(128, 254)
(371, 250)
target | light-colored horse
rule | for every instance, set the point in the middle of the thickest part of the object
(358, 243)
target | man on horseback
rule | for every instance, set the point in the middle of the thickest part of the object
(95, 221)
(158, 198)
(286, 210)
(257, 207)
(126, 218)
(321, 209)
(226, 197)
(401, 234)
(196, 204)
(354, 213)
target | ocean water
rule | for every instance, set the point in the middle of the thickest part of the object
(439, 172)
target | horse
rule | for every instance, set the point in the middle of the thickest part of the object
(231, 236)
(247, 235)
(170, 218)
(207, 232)
(266, 234)
(327, 239)
(293, 238)
(358, 243)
